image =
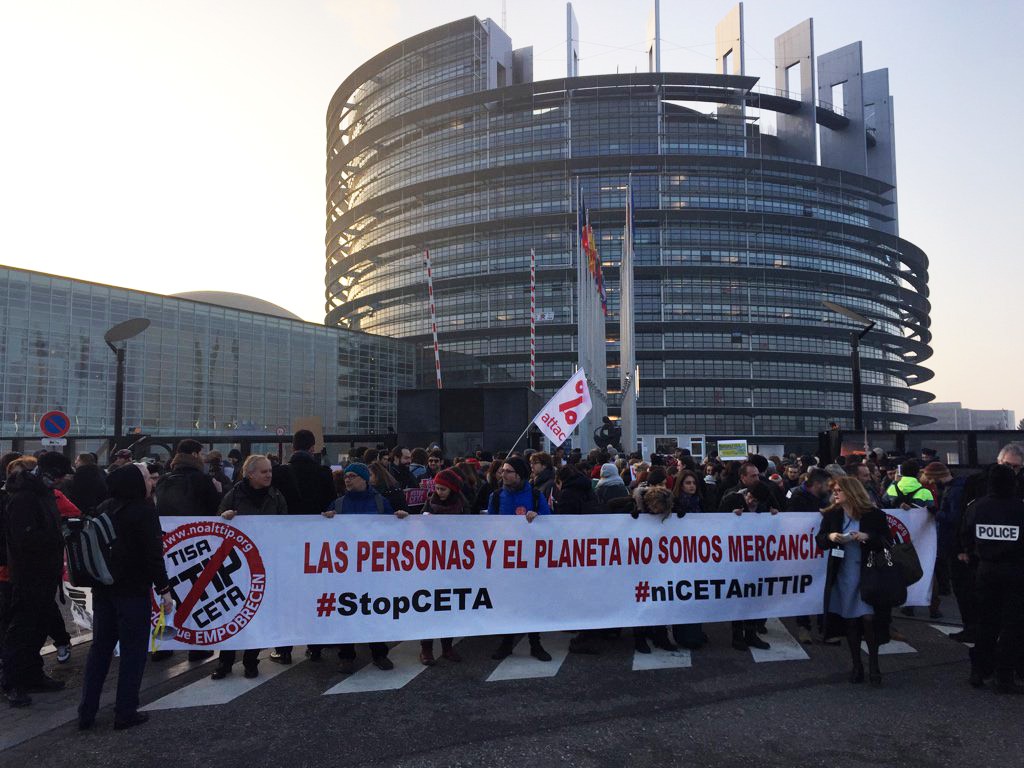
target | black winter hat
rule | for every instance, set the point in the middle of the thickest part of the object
(518, 463)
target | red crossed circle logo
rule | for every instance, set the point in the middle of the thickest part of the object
(217, 580)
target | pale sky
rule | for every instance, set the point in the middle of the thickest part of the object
(173, 146)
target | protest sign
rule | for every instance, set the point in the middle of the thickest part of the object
(266, 581)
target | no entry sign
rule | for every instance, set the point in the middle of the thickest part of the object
(55, 424)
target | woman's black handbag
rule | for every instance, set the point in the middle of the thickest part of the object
(908, 563)
(881, 583)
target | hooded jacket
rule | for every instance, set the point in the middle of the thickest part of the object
(87, 488)
(610, 486)
(137, 556)
(35, 547)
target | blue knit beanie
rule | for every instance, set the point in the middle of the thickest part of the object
(359, 469)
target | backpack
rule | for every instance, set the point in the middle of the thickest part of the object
(492, 501)
(88, 542)
(174, 495)
(906, 498)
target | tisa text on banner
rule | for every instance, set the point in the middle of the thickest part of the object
(558, 419)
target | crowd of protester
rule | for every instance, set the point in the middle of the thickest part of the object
(39, 492)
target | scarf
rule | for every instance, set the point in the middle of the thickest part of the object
(454, 505)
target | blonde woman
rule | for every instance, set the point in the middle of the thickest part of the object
(851, 528)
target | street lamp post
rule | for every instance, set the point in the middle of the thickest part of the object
(855, 337)
(122, 332)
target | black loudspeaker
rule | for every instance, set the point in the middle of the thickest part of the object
(506, 414)
(419, 417)
(462, 410)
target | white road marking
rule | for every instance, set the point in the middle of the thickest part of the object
(208, 692)
(521, 665)
(405, 657)
(659, 659)
(891, 648)
(784, 647)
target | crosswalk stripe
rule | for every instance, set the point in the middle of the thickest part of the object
(949, 629)
(891, 648)
(659, 659)
(208, 692)
(784, 647)
(405, 657)
(521, 665)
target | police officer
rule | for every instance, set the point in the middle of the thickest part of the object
(995, 535)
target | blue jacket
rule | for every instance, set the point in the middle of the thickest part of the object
(507, 501)
(947, 520)
(362, 503)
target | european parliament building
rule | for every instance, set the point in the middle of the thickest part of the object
(754, 203)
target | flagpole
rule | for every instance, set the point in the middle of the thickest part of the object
(433, 315)
(520, 438)
(533, 320)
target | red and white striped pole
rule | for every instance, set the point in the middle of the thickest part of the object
(533, 320)
(433, 316)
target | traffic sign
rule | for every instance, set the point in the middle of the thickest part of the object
(55, 442)
(280, 431)
(55, 424)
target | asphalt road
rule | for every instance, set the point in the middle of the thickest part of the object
(725, 709)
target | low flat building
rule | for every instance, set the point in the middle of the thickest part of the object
(222, 366)
(953, 416)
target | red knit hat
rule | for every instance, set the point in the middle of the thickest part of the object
(450, 479)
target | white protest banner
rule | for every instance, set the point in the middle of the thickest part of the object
(917, 527)
(266, 581)
(558, 419)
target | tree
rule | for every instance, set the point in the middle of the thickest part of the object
(1020, 425)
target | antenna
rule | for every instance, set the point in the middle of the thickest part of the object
(504, 18)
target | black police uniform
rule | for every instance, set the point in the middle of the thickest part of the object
(997, 538)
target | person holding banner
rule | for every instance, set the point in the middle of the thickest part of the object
(121, 611)
(445, 499)
(851, 528)
(361, 499)
(252, 495)
(517, 497)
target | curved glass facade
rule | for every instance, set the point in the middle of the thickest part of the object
(736, 244)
